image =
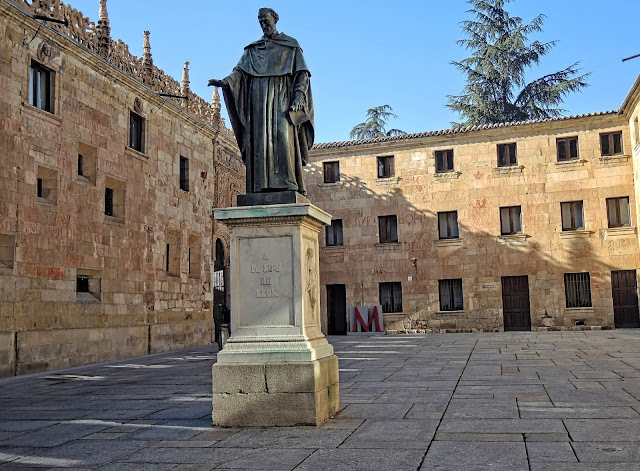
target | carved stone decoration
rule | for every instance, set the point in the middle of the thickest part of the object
(137, 105)
(103, 31)
(184, 85)
(312, 281)
(45, 52)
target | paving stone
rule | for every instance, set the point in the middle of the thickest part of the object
(345, 459)
(502, 425)
(476, 456)
(603, 430)
(550, 452)
(608, 452)
(286, 437)
(273, 459)
(375, 411)
(405, 434)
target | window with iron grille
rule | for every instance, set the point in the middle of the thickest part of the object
(507, 155)
(618, 212)
(386, 166)
(136, 132)
(577, 289)
(331, 171)
(334, 233)
(184, 173)
(108, 201)
(444, 161)
(572, 215)
(388, 228)
(451, 295)
(41, 87)
(510, 220)
(567, 148)
(391, 296)
(448, 225)
(611, 143)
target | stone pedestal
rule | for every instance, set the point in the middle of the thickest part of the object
(277, 368)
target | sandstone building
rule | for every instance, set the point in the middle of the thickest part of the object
(107, 180)
(514, 226)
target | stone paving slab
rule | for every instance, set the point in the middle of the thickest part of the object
(485, 401)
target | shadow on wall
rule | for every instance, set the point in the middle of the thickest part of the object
(479, 258)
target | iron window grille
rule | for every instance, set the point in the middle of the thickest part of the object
(388, 228)
(577, 289)
(184, 174)
(451, 295)
(386, 167)
(333, 233)
(618, 213)
(331, 171)
(108, 201)
(510, 220)
(448, 225)
(567, 148)
(572, 215)
(611, 143)
(391, 296)
(507, 155)
(444, 161)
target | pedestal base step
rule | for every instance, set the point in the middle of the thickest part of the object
(275, 393)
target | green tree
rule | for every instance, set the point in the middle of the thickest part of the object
(375, 125)
(496, 90)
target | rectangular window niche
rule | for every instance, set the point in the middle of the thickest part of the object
(114, 199)
(47, 185)
(87, 164)
(172, 252)
(88, 285)
(7, 250)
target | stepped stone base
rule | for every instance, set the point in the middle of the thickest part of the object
(275, 393)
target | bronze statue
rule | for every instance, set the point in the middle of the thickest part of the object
(268, 97)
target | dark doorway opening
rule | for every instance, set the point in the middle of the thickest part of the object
(221, 313)
(337, 309)
(625, 298)
(515, 303)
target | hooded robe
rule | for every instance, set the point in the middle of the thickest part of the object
(274, 141)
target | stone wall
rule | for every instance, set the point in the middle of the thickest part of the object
(476, 188)
(52, 242)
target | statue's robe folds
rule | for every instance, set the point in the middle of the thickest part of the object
(274, 141)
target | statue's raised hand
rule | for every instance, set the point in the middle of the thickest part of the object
(216, 83)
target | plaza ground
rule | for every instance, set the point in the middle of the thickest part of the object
(498, 401)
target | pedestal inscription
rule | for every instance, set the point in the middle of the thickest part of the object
(266, 276)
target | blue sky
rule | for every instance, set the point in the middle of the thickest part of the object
(364, 54)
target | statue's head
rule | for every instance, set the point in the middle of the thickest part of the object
(267, 17)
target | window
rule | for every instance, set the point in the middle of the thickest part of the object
(507, 155)
(136, 132)
(448, 225)
(510, 220)
(331, 172)
(47, 185)
(611, 143)
(7, 250)
(114, 198)
(577, 289)
(444, 161)
(194, 259)
(41, 87)
(87, 163)
(388, 228)
(334, 233)
(451, 295)
(386, 167)
(82, 284)
(567, 148)
(391, 296)
(184, 173)
(572, 216)
(618, 212)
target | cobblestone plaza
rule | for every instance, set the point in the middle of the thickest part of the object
(499, 401)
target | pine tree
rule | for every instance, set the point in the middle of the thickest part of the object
(375, 125)
(496, 90)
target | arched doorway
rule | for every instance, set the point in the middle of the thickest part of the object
(221, 313)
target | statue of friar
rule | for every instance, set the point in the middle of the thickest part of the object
(268, 98)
